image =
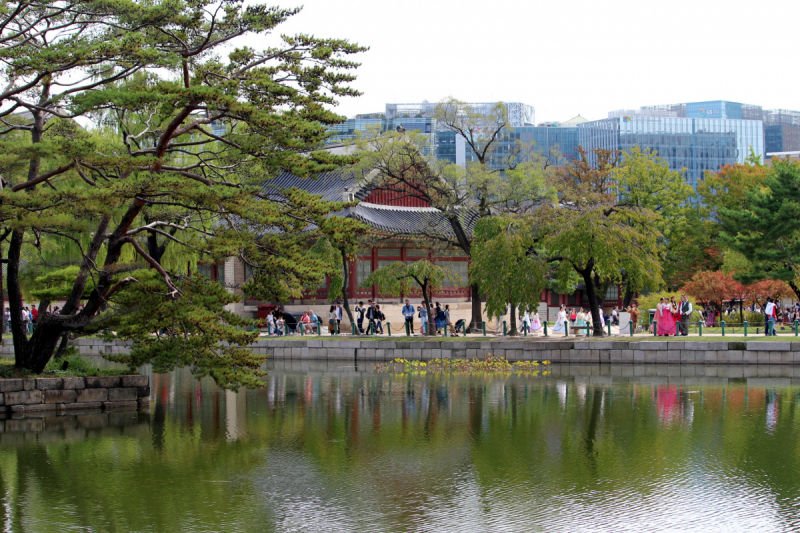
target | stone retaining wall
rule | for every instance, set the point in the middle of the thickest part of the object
(22, 396)
(566, 351)
(612, 352)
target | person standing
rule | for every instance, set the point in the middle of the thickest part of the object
(408, 314)
(686, 314)
(332, 320)
(270, 324)
(372, 317)
(380, 318)
(770, 314)
(634, 311)
(339, 312)
(423, 316)
(360, 311)
(526, 322)
(561, 322)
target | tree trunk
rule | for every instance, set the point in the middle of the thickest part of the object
(345, 302)
(628, 298)
(591, 294)
(513, 320)
(431, 318)
(477, 311)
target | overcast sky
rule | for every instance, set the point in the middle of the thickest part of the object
(565, 57)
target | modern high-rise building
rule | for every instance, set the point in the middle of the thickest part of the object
(694, 144)
(519, 114)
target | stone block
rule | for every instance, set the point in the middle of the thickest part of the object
(10, 385)
(24, 397)
(102, 382)
(143, 403)
(28, 384)
(126, 394)
(41, 408)
(775, 357)
(749, 357)
(2, 400)
(789, 358)
(109, 406)
(653, 345)
(83, 406)
(25, 425)
(60, 396)
(92, 395)
(135, 381)
(762, 358)
(49, 383)
(768, 346)
(676, 345)
(74, 383)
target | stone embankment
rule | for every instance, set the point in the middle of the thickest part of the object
(538, 349)
(604, 352)
(23, 396)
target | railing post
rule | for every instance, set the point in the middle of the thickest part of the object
(545, 329)
(566, 328)
(655, 328)
(745, 327)
(504, 328)
(795, 328)
(483, 324)
(630, 326)
(525, 328)
(389, 328)
(302, 328)
(700, 327)
(464, 328)
(354, 328)
(408, 333)
(319, 328)
(609, 328)
(286, 328)
(723, 327)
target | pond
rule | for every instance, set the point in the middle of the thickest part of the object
(329, 447)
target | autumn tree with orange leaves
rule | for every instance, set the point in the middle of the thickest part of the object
(713, 288)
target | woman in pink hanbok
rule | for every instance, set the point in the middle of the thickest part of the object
(666, 325)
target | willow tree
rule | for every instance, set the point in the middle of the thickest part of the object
(399, 278)
(213, 130)
(602, 236)
(500, 175)
(504, 264)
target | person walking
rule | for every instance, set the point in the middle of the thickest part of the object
(379, 319)
(371, 317)
(634, 311)
(339, 312)
(686, 314)
(408, 314)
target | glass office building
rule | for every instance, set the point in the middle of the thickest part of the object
(694, 144)
(555, 143)
(348, 129)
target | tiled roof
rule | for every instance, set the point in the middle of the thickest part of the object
(407, 220)
(384, 219)
(329, 185)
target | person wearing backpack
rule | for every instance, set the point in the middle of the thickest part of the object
(379, 318)
(371, 317)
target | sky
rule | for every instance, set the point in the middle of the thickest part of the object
(564, 57)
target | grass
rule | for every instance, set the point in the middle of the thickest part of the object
(77, 366)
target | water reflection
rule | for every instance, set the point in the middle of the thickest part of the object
(330, 447)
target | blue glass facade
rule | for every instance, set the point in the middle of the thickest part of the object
(348, 129)
(552, 142)
(714, 109)
(693, 144)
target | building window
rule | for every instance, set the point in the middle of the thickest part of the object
(213, 272)
(452, 253)
(612, 293)
(416, 252)
(388, 252)
(554, 299)
(363, 270)
(461, 268)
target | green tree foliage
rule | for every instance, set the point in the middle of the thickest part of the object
(602, 237)
(642, 179)
(194, 331)
(764, 226)
(496, 178)
(503, 263)
(180, 153)
(401, 278)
